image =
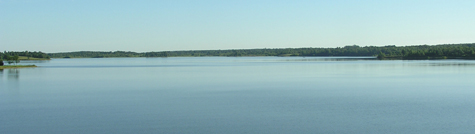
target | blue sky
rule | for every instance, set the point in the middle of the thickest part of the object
(164, 25)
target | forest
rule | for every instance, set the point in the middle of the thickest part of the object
(443, 51)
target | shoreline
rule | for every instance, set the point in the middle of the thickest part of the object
(17, 66)
(22, 58)
(370, 57)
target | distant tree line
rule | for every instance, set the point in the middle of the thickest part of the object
(95, 54)
(26, 54)
(445, 51)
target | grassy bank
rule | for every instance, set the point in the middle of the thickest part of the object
(16, 66)
(30, 58)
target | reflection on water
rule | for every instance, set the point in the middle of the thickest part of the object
(13, 74)
(12, 85)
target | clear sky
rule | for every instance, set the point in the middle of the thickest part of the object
(163, 25)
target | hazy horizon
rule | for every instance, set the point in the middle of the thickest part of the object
(172, 25)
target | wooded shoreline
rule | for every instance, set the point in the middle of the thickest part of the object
(444, 51)
(419, 52)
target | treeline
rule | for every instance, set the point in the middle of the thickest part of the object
(27, 54)
(95, 54)
(445, 51)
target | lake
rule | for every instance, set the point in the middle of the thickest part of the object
(238, 95)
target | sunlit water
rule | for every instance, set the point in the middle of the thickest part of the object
(238, 95)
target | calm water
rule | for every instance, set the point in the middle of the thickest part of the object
(238, 95)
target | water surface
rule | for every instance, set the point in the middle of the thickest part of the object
(238, 95)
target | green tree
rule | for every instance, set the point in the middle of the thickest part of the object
(16, 59)
(27, 54)
(8, 58)
(381, 55)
